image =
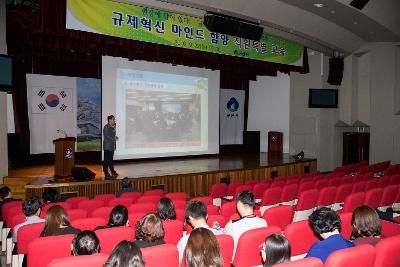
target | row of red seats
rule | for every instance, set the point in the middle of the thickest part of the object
(299, 234)
(351, 168)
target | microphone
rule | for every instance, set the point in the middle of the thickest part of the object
(62, 131)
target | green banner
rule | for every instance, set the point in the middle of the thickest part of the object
(159, 26)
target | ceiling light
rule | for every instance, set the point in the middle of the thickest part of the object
(371, 32)
(319, 5)
(355, 22)
(333, 11)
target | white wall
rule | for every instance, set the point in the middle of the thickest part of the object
(269, 108)
(3, 98)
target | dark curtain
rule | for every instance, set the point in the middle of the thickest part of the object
(42, 45)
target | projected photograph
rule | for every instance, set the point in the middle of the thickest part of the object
(162, 119)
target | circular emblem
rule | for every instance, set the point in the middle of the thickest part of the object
(232, 105)
(68, 152)
(52, 100)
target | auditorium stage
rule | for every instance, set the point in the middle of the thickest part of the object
(193, 175)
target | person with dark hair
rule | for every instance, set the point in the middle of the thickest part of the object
(118, 217)
(31, 208)
(126, 186)
(203, 249)
(166, 209)
(85, 243)
(109, 145)
(367, 227)
(149, 231)
(196, 216)
(245, 203)
(125, 254)
(326, 223)
(6, 196)
(275, 249)
(57, 223)
(50, 195)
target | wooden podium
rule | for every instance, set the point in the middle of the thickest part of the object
(275, 143)
(64, 157)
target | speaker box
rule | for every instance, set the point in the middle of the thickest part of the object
(82, 174)
(251, 141)
(359, 4)
(232, 26)
(336, 66)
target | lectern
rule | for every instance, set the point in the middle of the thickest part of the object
(64, 157)
(275, 143)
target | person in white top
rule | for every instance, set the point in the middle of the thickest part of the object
(196, 216)
(245, 203)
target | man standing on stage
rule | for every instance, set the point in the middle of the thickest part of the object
(109, 139)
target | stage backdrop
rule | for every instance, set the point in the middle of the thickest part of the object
(231, 116)
(69, 104)
(160, 26)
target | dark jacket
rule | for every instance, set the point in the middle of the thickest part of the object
(109, 138)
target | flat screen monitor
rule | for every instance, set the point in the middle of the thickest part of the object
(6, 73)
(323, 98)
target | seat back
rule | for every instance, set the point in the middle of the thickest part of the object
(334, 181)
(212, 210)
(41, 251)
(74, 201)
(154, 192)
(346, 227)
(326, 196)
(389, 195)
(390, 228)
(289, 192)
(142, 207)
(353, 201)
(252, 183)
(384, 181)
(173, 230)
(342, 192)
(16, 219)
(347, 180)
(126, 202)
(104, 197)
(166, 253)
(218, 190)
(134, 217)
(304, 186)
(88, 223)
(76, 214)
(230, 191)
(301, 237)
(242, 188)
(65, 205)
(102, 212)
(95, 260)
(371, 184)
(5, 209)
(358, 187)
(279, 216)
(90, 205)
(395, 179)
(306, 262)
(373, 197)
(248, 247)
(271, 196)
(228, 209)
(387, 252)
(226, 245)
(359, 256)
(149, 199)
(132, 195)
(179, 204)
(110, 237)
(177, 196)
(307, 200)
(278, 183)
(321, 184)
(258, 190)
(216, 218)
(206, 200)
(26, 234)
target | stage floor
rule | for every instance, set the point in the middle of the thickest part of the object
(165, 167)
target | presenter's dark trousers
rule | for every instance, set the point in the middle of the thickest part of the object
(108, 162)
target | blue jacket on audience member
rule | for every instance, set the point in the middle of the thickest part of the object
(324, 248)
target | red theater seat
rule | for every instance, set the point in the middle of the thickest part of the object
(326, 196)
(218, 190)
(132, 195)
(248, 247)
(205, 200)
(373, 197)
(353, 201)
(149, 199)
(42, 251)
(65, 205)
(142, 207)
(226, 244)
(216, 218)
(26, 234)
(105, 198)
(76, 214)
(359, 256)
(177, 196)
(387, 252)
(155, 192)
(307, 262)
(102, 212)
(126, 202)
(228, 209)
(74, 201)
(88, 223)
(162, 255)
(95, 260)
(300, 236)
(110, 237)
(173, 230)
(279, 216)
(90, 205)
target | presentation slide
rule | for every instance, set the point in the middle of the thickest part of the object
(161, 110)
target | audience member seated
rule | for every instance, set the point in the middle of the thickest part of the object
(245, 203)
(166, 209)
(5, 195)
(326, 223)
(85, 243)
(275, 249)
(125, 254)
(126, 187)
(50, 195)
(366, 226)
(57, 223)
(149, 231)
(196, 216)
(31, 209)
(202, 249)
(118, 217)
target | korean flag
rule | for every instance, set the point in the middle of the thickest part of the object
(51, 99)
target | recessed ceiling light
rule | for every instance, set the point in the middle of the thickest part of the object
(333, 11)
(355, 22)
(319, 5)
(371, 32)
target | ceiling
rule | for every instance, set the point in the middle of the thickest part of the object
(336, 26)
